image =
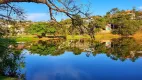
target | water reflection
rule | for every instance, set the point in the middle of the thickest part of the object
(70, 60)
(11, 60)
(116, 49)
(122, 49)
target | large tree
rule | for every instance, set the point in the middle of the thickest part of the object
(70, 8)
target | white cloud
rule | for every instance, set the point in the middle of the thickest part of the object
(38, 16)
(140, 7)
(43, 17)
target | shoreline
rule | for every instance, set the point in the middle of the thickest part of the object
(98, 37)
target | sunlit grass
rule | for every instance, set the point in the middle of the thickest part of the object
(26, 39)
(100, 36)
(138, 36)
(106, 36)
(78, 37)
(30, 38)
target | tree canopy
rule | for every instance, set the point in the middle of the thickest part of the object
(42, 29)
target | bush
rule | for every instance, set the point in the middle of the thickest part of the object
(128, 27)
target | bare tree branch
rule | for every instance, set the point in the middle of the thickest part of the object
(65, 8)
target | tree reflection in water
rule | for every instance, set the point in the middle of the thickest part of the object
(11, 60)
(116, 49)
(121, 49)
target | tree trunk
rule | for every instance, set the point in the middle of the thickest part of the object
(35, 1)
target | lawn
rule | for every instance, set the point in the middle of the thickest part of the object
(26, 39)
(98, 37)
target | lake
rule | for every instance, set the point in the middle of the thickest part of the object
(117, 59)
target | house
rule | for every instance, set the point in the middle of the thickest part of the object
(107, 43)
(108, 28)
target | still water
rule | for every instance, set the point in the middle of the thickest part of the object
(118, 59)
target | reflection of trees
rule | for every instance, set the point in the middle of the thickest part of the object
(125, 48)
(100, 48)
(10, 60)
(121, 49)
(75, 50)
(53, 48)
(45, 48)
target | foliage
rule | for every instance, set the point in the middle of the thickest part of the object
(100, 22)
(10, 59)
(77, 25)
(128, 27)
(78, 21)
(121, 49)
(123, 22)
(42, 28)
(43, 48)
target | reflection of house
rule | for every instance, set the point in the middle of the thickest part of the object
(107, 43)
(20, 46)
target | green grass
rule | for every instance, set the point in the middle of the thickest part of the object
(107, 36)
(26, 39)
(6, 78)
(98, 37)
(78, 37)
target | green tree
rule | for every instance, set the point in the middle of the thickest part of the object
(44, 48)
(10, 59)
(41, 29)
(123, 22)
(128, 27)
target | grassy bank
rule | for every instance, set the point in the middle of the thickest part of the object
(30, 39)
(107, 36)
(138, 36)
(26, 39)
(98, 37)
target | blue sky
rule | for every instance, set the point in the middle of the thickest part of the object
(39, 12)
